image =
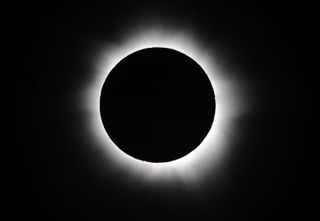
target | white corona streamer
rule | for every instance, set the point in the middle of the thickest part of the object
(208, 155)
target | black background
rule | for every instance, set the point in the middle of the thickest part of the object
(56, 178)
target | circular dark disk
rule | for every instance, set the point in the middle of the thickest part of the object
(157, 105)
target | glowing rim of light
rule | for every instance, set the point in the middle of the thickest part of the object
(228, 97)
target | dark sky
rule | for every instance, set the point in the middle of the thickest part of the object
(59, 179)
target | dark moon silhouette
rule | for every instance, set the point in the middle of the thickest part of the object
(157, 105)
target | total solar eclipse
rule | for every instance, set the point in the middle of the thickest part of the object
(157, 105)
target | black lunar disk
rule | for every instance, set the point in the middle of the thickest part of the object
(157, 105)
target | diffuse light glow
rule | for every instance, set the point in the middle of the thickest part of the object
(208, 157)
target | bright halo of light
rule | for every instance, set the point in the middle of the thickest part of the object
(208, 156)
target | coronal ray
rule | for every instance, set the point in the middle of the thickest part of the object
(231, 102)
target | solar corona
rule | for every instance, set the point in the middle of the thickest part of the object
(227, 99)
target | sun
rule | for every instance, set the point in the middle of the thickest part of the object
(210, 155)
